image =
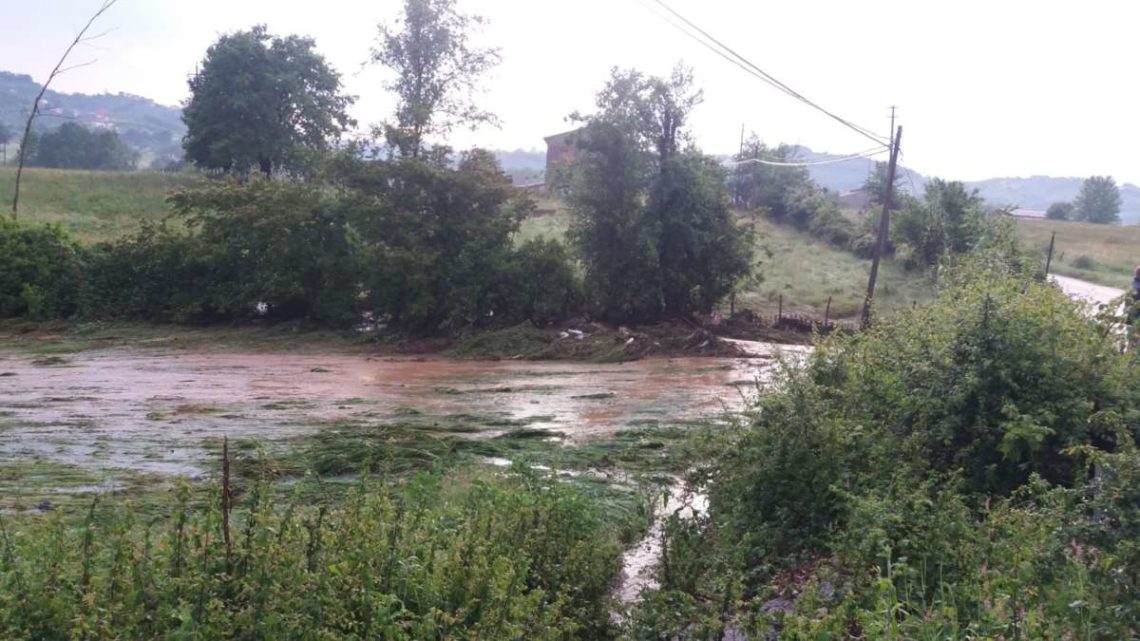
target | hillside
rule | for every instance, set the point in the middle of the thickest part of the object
(154, 130)
(1034, 192)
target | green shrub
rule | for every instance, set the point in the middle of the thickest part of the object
(278, 249)
(157, 275)
(460, 559)
(40, 271)
(1084, 262)
(930, 478)
(543, 286)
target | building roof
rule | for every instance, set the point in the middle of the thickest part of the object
(1027, 213)
(563, 134)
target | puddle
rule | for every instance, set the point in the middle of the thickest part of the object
(151, 412)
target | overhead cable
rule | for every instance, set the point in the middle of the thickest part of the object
(830, 161)
(726, 52)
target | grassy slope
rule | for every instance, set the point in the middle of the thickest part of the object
(1114, 250)
(92, 205)
(805, 270)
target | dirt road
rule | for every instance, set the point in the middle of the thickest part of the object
(1092, 293)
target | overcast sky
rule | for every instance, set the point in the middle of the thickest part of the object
(985, 88)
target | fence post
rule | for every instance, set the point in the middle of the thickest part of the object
(780, 313)
(1049, 260)
(827, 314)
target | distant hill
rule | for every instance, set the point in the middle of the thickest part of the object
(154, 130)
(1035, 192)
(524, 166)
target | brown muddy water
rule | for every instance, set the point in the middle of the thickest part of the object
(156, 412)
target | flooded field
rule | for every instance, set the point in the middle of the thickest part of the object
(157, 412)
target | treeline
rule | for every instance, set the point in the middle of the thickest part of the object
(398, 230)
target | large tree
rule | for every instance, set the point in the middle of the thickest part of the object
(1099, 201)
(257, 100)
(437, 71)
(73, 146)
(652, 218)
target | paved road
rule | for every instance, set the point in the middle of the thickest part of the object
(1091, 292)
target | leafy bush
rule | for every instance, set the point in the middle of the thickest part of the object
(544, 287)
(41, 269)
(1084, 262)
(930, 478)
(436, 240)
(280, 247)
(156, 275)
(460, 559)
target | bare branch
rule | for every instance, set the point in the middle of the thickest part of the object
(78, 66)
(59, 68)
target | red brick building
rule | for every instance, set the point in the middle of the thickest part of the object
(561, 149)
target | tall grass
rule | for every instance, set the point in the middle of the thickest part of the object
(464, 557)
(1103, 254)
(91, 205)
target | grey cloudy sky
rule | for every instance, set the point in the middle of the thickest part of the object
(985, 88)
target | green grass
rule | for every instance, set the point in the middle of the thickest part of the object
(1103, 254)
(91, 205)
(805, 270)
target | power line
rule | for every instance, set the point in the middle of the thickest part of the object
(772, 163)
(720, 48)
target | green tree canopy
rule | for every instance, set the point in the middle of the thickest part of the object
(73, 146)
(1099, 201)
(5, 134)
(948, 220)
(756, 185)
(436, 69)
(1060, 211)
(652, 219)
(876, 186)
(256, 100)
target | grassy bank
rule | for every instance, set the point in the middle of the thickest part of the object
(1102, 254)
(803, 269)
(91, 205)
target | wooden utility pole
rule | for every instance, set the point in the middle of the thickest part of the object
(884, 225)
(1049, 260)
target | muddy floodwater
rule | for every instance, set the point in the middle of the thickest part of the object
(155, 412)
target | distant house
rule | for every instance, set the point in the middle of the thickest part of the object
(561, 150)
(859, 199)
(1038, 214)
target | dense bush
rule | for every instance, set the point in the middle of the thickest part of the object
(155, 274)
(543, 286)
(436, 240)
(40, 271)
(930, 478)
(280, 247)
(459, 559)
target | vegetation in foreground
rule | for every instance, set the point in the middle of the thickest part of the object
(967, 469)
(468, 556)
